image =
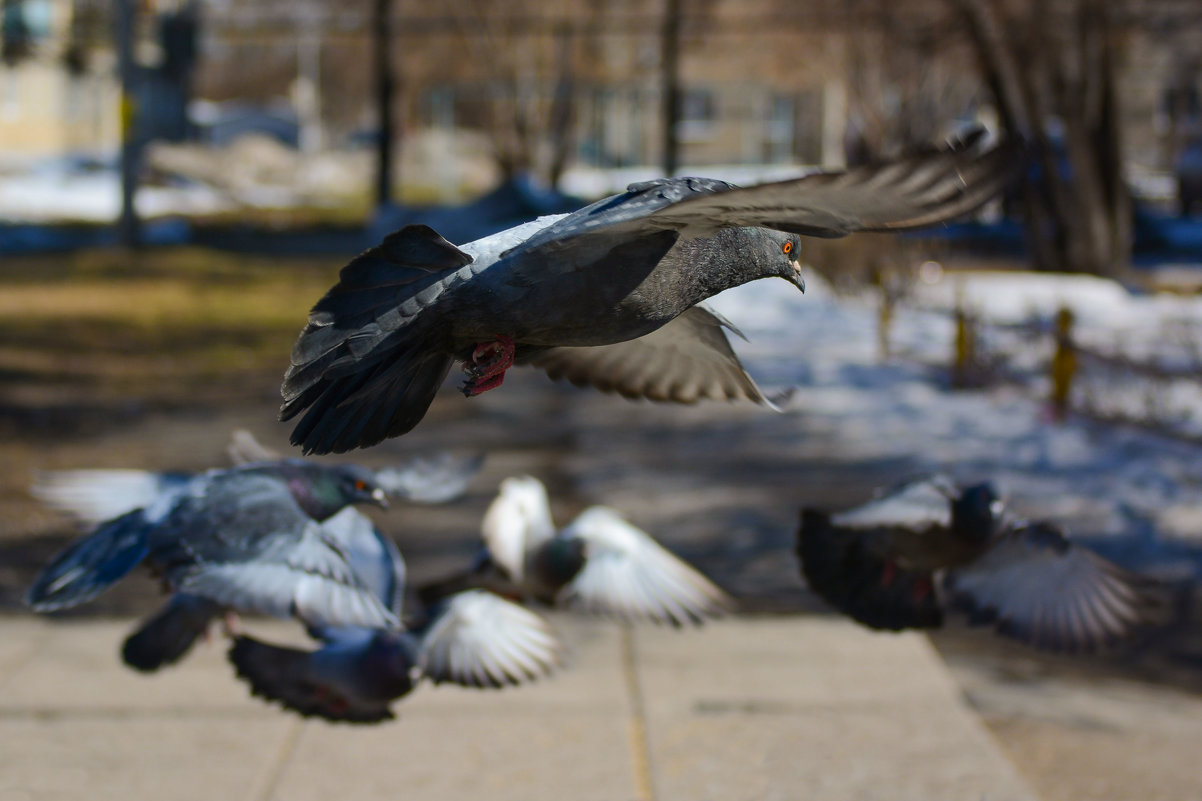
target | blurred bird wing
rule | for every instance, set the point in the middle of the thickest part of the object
(436, 478)
(94, 496)
(373, 556)
(478, 639)
(922, 189)
(243, 448)
(309, 578)
(929, 186)
(629, 575)
(685, 360)
(916, 506)
(1041, 589)
(516, 522)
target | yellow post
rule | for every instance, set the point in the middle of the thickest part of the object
(1064, 363)
(966, 345)
(883, 323)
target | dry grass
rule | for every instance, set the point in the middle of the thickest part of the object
(113, 322)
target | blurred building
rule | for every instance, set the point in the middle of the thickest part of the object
(50, 102)
(546, 82)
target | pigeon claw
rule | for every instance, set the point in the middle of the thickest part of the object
(486, 368)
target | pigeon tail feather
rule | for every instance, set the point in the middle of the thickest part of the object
(367, 364)
(367, 407)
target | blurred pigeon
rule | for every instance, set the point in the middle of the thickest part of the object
(928, 546)
(94, 496)
(607, 296)
(247, 538)
(600, 562)
(472, 638)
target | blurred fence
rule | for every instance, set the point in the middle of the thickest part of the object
(1044, 357)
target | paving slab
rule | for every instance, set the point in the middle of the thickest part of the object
(808, 708)
(793, 707)
(564, 737)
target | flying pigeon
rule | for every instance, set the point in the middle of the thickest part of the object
(929, 546)
(248, 538)
(93, 496)
(472, 638)
(608, 296)
(600, 562)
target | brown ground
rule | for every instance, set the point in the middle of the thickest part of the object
(152, 360)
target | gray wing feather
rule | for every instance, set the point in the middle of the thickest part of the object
(436, 478)
(481, 640)
(308, 578)
(686, 360)
(1038, 587)
(927, 187)
(631, 576)
(921, 190)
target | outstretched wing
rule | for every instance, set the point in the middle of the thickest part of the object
(685, 360)
(478, 639)
(433, 478)
(1036, 586)
(94, 496)
(308, 578)
(927, 187)
(629, 575)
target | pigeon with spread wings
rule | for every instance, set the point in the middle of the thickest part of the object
(95, 495)
(248, 538)
(599, 562)
(608, 296)
(929, 546)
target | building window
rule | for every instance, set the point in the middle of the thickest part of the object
(698, 115)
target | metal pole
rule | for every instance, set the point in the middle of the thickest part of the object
(128, 225)
(385, 86)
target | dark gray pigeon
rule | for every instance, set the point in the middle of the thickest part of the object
(607, 296)
(472, 638)
(247, 538)
(599, 562)
(93, 496)
(929, 546)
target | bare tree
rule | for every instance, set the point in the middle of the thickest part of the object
(1051, 67)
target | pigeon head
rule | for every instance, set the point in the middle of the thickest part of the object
(783, 254)
(324, 490)
(977, 512)
(560, 560)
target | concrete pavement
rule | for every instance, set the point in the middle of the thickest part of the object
(769, 708)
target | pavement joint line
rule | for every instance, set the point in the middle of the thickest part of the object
(282, 758)
(640, 751)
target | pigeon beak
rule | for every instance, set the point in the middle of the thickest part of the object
(379, 498)
(797, 279)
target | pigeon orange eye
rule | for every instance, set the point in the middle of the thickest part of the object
(360, 486)
(788, 248)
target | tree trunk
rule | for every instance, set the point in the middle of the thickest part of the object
(1050, 64)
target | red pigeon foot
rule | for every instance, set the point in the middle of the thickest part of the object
(486, 369)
